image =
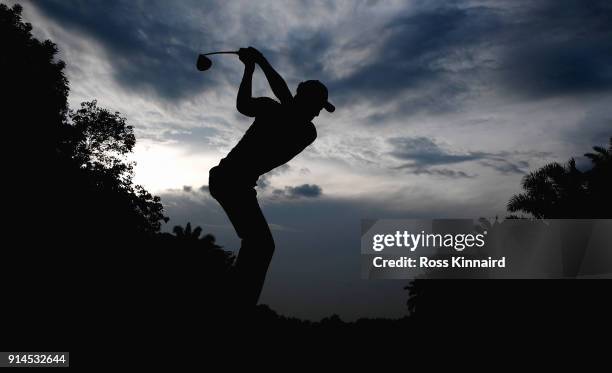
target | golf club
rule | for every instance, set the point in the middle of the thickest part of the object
(204, 63)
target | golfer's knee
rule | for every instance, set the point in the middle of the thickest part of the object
(262, 245)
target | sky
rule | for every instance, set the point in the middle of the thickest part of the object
(441, 108)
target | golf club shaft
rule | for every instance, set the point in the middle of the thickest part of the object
(223, 52)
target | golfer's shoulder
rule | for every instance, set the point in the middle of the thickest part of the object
(266, 106)
(267, 101)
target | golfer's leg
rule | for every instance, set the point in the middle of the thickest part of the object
(255, 252)
(240, 205)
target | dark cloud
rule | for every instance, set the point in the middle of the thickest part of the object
(449, 52)
(149, 45)
(441, 51)
(306, 50)
(188, 189)
(423, 153)
(414, 57)
(557, 47)
(304, 190)
(445, 172)
(500, 163)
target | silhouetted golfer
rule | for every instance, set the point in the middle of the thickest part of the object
(279, 133)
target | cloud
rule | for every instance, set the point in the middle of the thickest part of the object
(304, 190)
(556, 48)
(500, 163)
(189, 191)
(424, 58)
(445, 172)
(150, 45)
(416, 52)
(306, 51)
(264, 180)
(424, 153)
(433, 59)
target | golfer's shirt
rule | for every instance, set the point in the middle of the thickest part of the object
(274, 138)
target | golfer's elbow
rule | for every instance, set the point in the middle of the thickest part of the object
(245, 108)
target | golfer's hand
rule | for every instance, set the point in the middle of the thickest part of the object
(258, 58)
(250, 55)
(245, 56)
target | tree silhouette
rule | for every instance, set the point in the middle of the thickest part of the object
(211, 259)
(67, 174)
(101, 179)
(32, 76)
(67, 166)
(186, 233)
(563, 191)
(599, 180)
(602, 157)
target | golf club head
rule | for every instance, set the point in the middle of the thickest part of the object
(204, 63)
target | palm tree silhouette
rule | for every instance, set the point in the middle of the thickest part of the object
(602, 156)
(599, 181)
(553, 191)
(187, 233)
(558, 191)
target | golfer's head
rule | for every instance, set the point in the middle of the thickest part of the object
(311, 97)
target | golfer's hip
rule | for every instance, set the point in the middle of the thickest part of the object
(223, 181)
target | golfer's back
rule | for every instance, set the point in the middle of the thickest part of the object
(274, 138)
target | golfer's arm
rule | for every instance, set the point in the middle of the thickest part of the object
(245, 103)
(277, 83)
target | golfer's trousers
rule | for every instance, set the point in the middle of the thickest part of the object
(239, 200)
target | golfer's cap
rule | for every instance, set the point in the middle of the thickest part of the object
(316, 90)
